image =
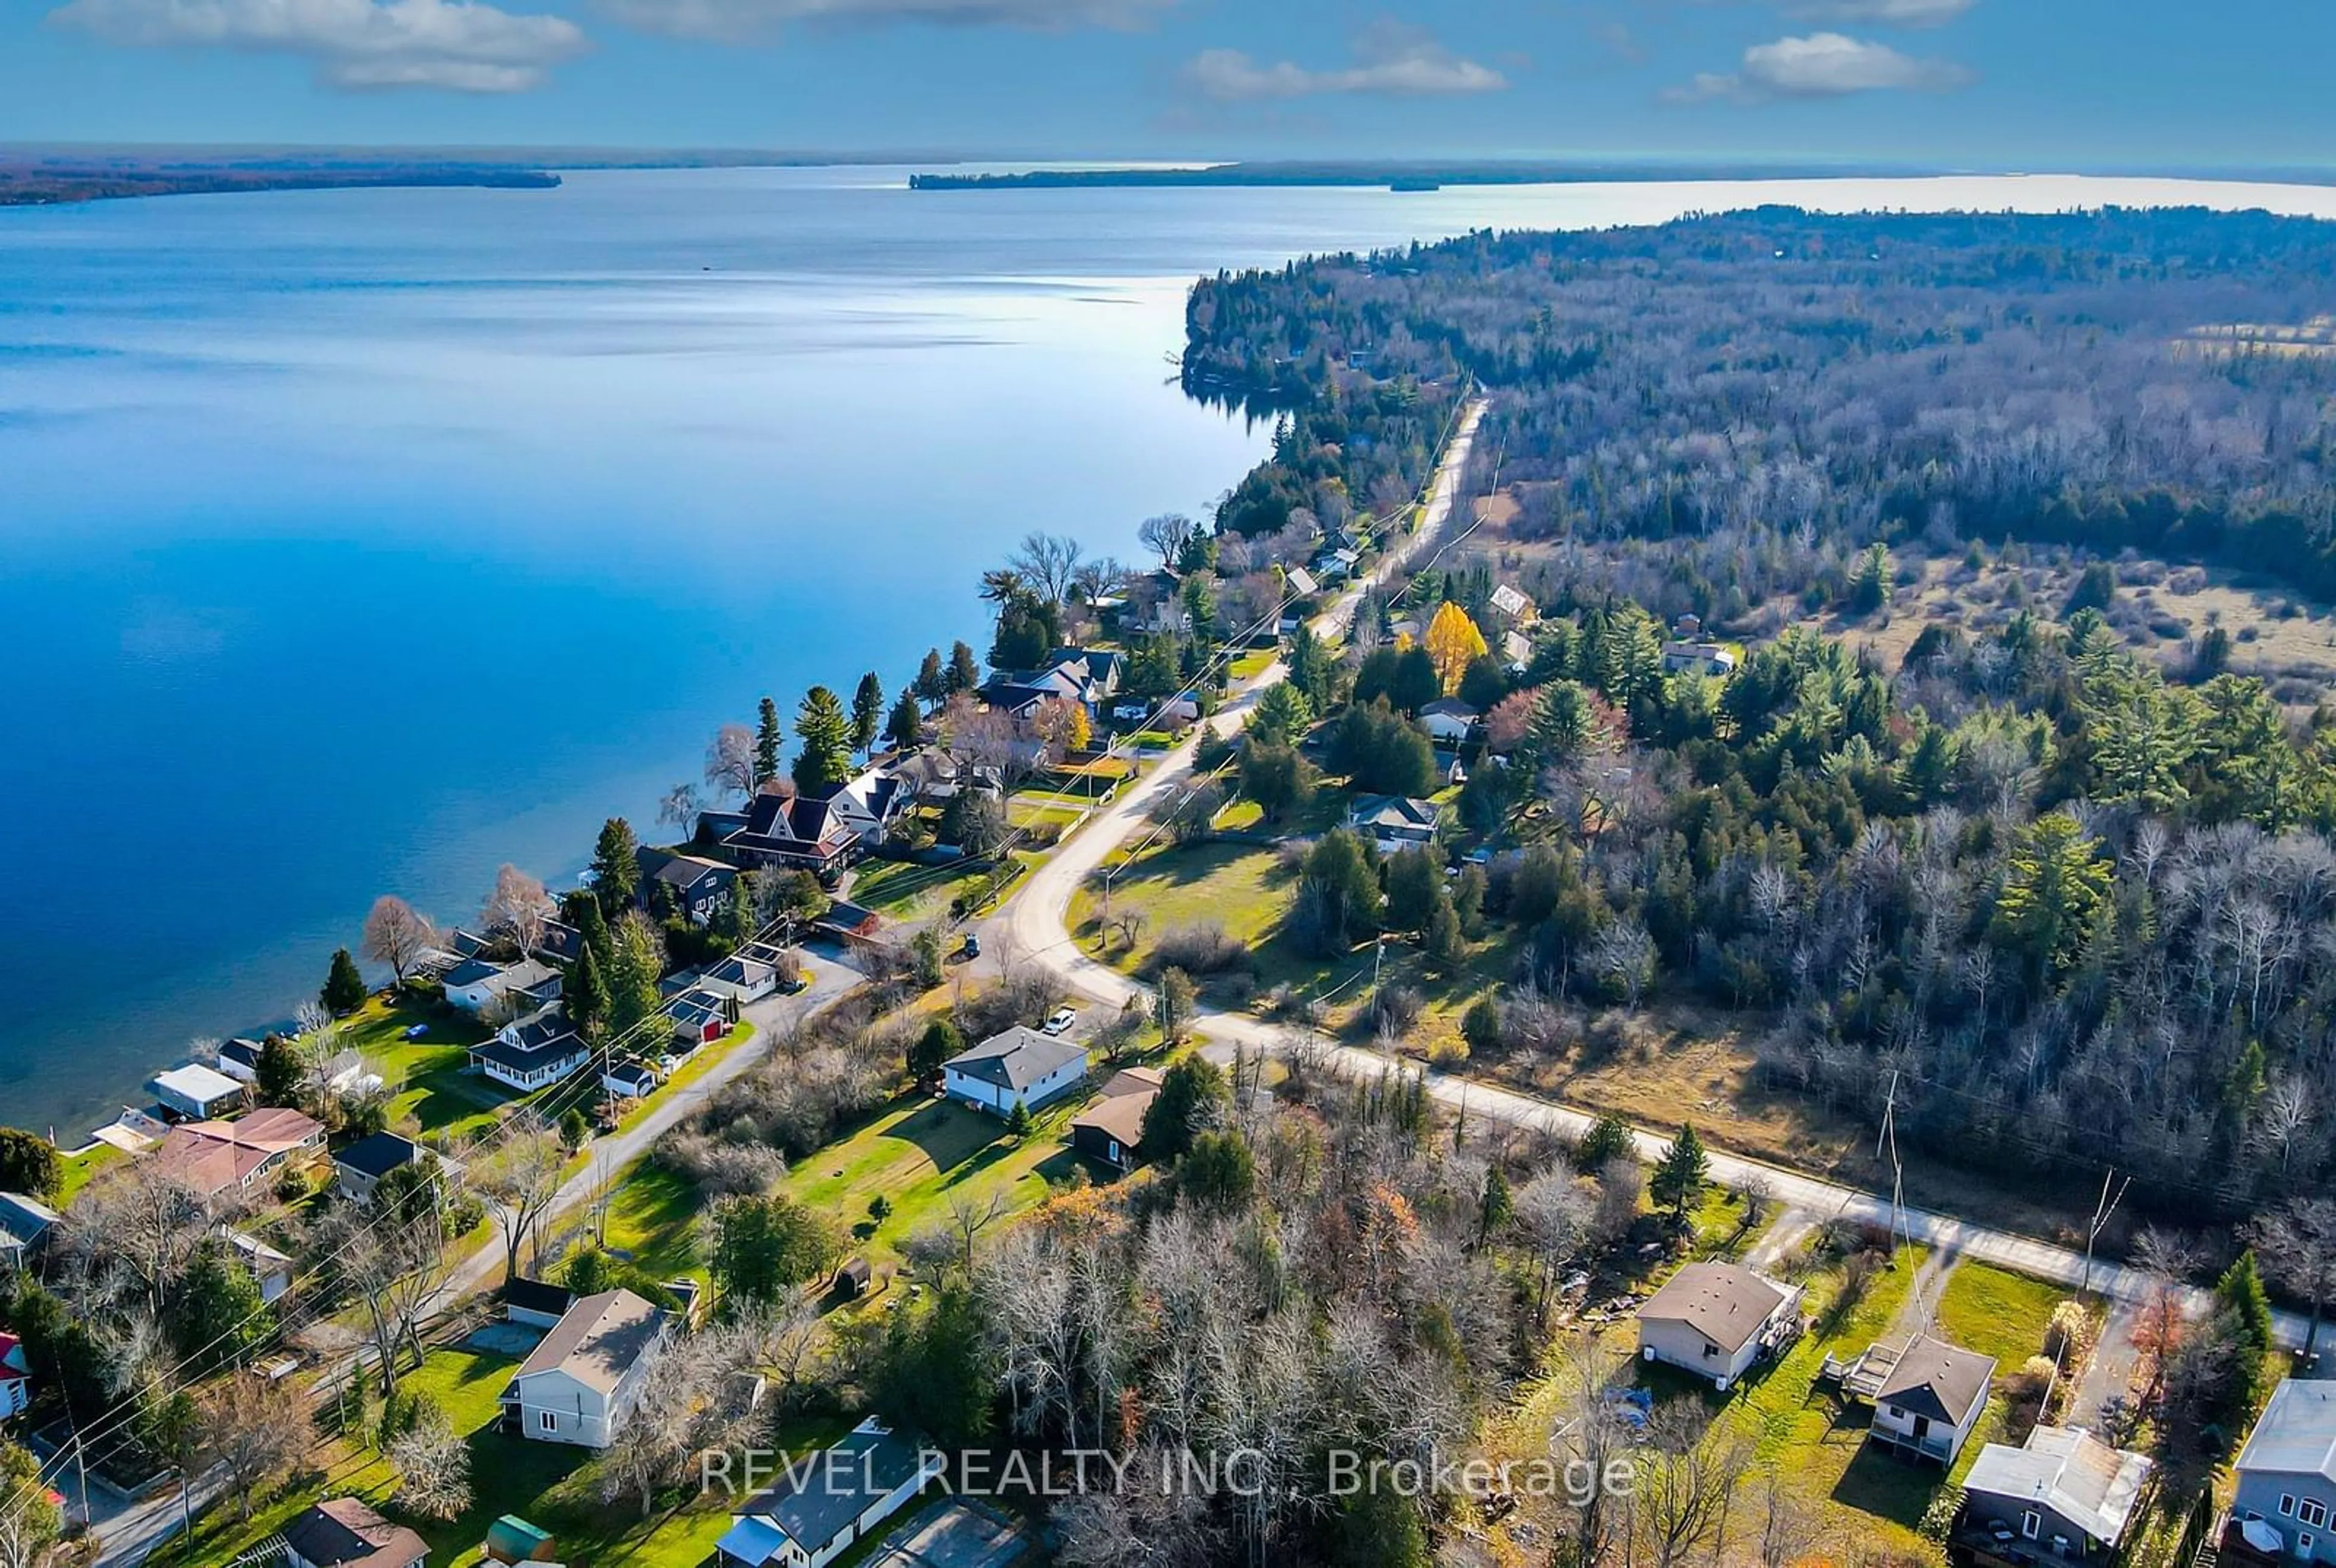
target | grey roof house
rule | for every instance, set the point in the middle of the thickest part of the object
(2287, 1475)
(827, 1501)
(1717, 1320)
(581, 1382)
(1020, 1065)
(2066, 1494)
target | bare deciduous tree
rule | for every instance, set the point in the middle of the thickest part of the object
(255, 1430)
(395, 935)
(520, 1179)
(433, 1467)
(518, 909)
(730, 765)
(1048, 561)
(2297, 1243)
(678, 808)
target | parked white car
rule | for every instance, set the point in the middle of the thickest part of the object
(1061, 1020)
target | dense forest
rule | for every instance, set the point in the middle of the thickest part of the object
(2147, 379)
(2079, 906)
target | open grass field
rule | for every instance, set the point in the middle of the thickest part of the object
(83, 1168)
(434, 1092)
(920, 1155)
(910, 894)
(653, 1217)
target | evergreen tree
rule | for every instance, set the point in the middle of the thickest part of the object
(931, 685)
(591, 926)
(767, 739)
(867, 713)
(964, 671)
(1446, 948)
(217, 1316)
(1280, 716)
(575, 1130)
(1310, 667)
(1498, 1207)
(1413, 881)
(345, 987)
(616, 869)
(906, 727)
(936, 1045)
(826, 759)
(1871, 588)
(1681, 1174)
(585, 997)
(634, 965)
(1171, 1004)
(283, 1067)
(1192, 1096)
(2241, 1291)
(29, 1164)
(1337, 895)
(1019, 1123)
(1219, 1172)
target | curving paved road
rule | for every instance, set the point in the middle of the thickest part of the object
(1032, 926)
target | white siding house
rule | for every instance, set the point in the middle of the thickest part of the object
(1931, 1399)
(1020, 1065)
(825, 1502)
(580, 1384)
(1717, 1320)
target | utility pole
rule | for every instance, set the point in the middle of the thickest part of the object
(2101, 1213)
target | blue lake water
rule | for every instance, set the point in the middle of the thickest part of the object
(354, 542)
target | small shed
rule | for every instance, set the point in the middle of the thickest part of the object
(511, 1539)
(852, 1280)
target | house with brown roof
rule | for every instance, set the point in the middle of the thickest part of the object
(344, 1533)
(1110, 1132)
(214, 1157)
(581, 1382)
(1717, 1320)
(1930, 1400)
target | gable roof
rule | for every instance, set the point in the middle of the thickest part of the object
(1301, 582)
(537, 1296)
(2297, 1433)
(681, 872)
(243, 1053)
(1511, 601)
(818, 1497)
(1935, 1379)
(567, 1048)
(378, 1153)
(23, 1220)
(1448, 707)
(344, 1533)
(1393, 811)
(596, 1340)
(2067, 1470)
(1016, 1059)
(1119, 1114)
(1726, 1303)
(211, 1156)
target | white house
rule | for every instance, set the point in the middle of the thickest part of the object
(581, 1382)
(631, 1080)
(1930, 1400)
(1511, 605)
(196, 1091)
(824, 1502)
(15, 1377)
(475, 984)
(345, 1533)
(1717, 1320)
(741, 978)
(530, 1053)
(1698, 659)
(239, 1060)
(1020, 1065)
(271, 1268)
(1448, 720)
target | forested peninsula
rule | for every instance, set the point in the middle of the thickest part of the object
(44, 180)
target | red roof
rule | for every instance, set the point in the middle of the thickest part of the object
(212, 1157)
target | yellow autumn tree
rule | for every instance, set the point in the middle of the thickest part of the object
(1453, 643)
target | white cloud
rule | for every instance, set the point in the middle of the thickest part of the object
(456, 45)
(1389, 58)
(1886, 12)
(741, 21)
(1822, 66)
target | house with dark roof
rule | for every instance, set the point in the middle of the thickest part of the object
(1110, 1132)
(345, 1533)
(795, 834)
(359, 1168)
(1020, 1066)
(475, 985)
(2064, 1493)
(868, 806)
(700, 1017)
(535, 1302)
(823, 1503)
(631, 1080)
(1928, 1400)
(532, 1053)
(1717, 1320)
(581, 1382)
(239, 1060)
(15, 1377)
(1394, 822)
(741, 978)
(1448, 720)
(699, 888)
(24, 1226)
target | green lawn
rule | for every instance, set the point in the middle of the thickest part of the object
(921, 1153)
(80, 1169)
(435, 1089)
(1254, 663)
(905, 893)
(1997, 1313)
(547, 1484)
(654, 1217)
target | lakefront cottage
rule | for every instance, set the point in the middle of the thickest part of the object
(531, 1053)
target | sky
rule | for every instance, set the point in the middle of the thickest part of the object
(1994, 85)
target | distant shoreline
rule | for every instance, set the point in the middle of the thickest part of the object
(1427, 176)
(58, 183)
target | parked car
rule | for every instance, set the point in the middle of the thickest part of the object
(972, 948)
(1061, 1019)
(416, 1031)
